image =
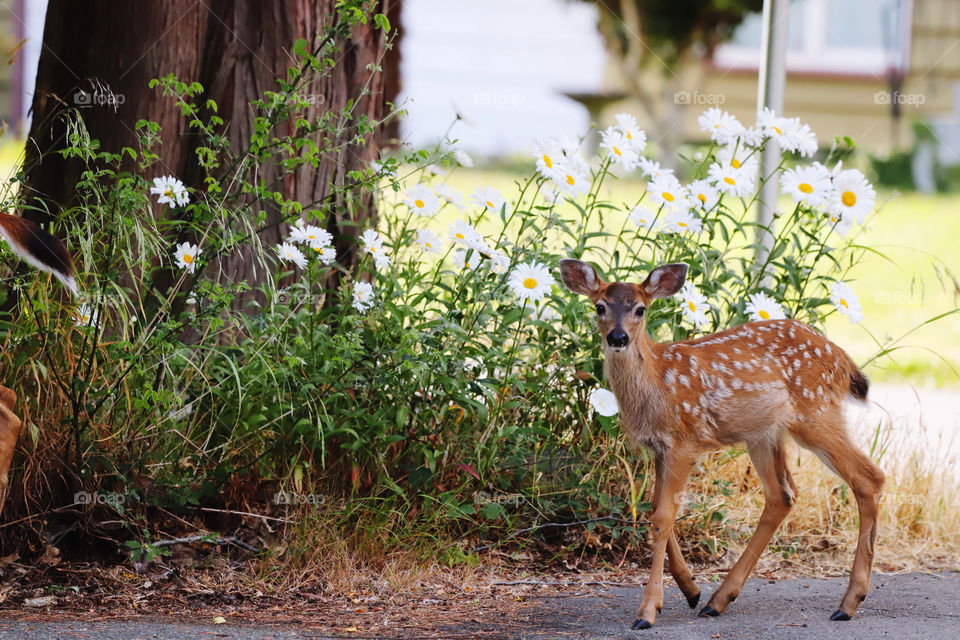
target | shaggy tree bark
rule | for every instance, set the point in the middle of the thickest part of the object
(235, 49)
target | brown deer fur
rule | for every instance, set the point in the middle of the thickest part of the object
(753, 384)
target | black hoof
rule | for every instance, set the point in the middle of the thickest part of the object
(709, 612)
(693, 600)
(641, 624)
(840, 616)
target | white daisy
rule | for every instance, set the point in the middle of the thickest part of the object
(327, 254)
(310, 234)
(604, 402)
(729, 180)
(186, 256)
(466, 234)
(852, 196)
(488, 198)
(790, 133)
(463, 158)
(499, 261)
(571, 181)
(846, 302)
(740, 157)
(421, 200)
(171, 191)
(809, 185)
(466, 259)
(449, 195)
(85, 315)
(373, 244)
(839, 223)
(362, 296)
(530, 282)
(702, 195)
(652, 169)
(429, 241)
(628, 126)
(760, 306)
(722, 126)
(694, 305)
(548, 153)
(643, 217)
(290, 253)
(681, 221)
(752, 137)
(668, 192)
(618, 149)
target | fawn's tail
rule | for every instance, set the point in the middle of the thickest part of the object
(38, 248)
(859, 384)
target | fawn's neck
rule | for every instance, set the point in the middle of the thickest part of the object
(633, 378)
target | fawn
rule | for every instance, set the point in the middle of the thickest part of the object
(40, 249)
(753, 384)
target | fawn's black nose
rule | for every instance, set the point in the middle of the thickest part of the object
(618, 338)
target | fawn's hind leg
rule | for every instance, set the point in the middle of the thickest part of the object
(779, 493)
(9, 434)
(828, 439)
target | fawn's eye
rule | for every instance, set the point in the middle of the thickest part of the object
(601, 309)
(640, 311)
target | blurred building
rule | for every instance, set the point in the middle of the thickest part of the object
(21, 36)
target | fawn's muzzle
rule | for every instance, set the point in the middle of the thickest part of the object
(618, 338)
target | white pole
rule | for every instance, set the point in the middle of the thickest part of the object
(770, 89)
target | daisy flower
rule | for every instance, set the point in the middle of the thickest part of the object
(462, 158)
(466, 259)
(790, 133)
(694, 306)
(667, 191)
(171, 191)
(548, 153)
(85, 315)
(845, 300)
(852, 197)
(807, 185)
(628, 126)
(289, 253)
(373, 244)
(362, 296)
(739, 157)
(841, 224)
(429, 241)
(752, 137)
(722, 126)
(310, 234)
(571, 181)
(681, 221)
(604, 402)
(327, 254)
(652, 169)
(421, 200)
(643, 217)
(530, 282)
(186, 256)
(702, 195)
(449, 195)
(499, 261)
(466, 234)
(729, 180)
(760, 306)
(488, 198)
(618, 149)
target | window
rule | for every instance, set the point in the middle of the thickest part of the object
(830, 36)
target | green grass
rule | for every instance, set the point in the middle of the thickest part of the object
(902, 282)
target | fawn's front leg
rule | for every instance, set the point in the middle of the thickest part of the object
(677, 464)
(9, 434)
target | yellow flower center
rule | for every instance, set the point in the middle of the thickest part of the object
(419, 203)
(681, 224)
(168, 193)
(187, 258)
(844, 303)
(629, 137)
(735, 163)
(373, 249)
(428, 245)
(729, 180)
(617, 151)
(570, 180)
(668, 196)
(849, 198)
(547, 161)
(692, 306)
(490, 205)
(702, 198)
(530, 283)
(460, 236)
(806, 188)
(763, 313)
(777, 129)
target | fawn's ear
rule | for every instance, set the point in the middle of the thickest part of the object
(665, 280)
(579, 277)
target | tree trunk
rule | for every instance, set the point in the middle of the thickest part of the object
(236, 49)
